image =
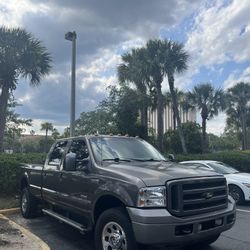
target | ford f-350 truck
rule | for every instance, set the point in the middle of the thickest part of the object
(125, 191)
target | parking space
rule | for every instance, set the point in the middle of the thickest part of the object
(60, 236)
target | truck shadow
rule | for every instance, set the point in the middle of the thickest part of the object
(61, 236)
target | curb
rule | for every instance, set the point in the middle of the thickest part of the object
(9, 211)
(26, 232)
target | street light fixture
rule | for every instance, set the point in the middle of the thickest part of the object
(71, 36)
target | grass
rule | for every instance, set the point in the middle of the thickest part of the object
(8, 202)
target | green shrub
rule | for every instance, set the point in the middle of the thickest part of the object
(192, 135)
(9, 166)
(237, 159)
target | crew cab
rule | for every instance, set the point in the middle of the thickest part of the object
(125, 191)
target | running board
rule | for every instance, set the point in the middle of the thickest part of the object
(65, 220)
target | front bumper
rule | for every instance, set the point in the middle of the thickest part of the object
(158, 226)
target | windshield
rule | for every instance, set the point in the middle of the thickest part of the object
(124, 149)
(222, 168)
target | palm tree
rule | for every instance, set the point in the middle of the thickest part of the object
(238, 109)
(165, 58)
(182, 101)
(131, 70)
(209, 101)
(21, 55)
(47, 126)
(55, 133)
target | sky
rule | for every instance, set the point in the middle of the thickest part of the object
(216, 34)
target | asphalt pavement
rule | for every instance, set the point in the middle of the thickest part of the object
(61, 236)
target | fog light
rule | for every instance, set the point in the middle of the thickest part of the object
(218, 222)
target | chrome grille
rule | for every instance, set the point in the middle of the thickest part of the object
(196, 195)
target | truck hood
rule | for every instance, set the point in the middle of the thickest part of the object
(157, 173)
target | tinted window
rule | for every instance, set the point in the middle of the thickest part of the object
(80, 148)
(56, 155)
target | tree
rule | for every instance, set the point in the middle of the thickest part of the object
(46, 126)
(21, 55)
(238, 109)
(165, 58)
(55, 134)
(209, 101)
(66, 133)
(193, 139)
(14, 126)
(96, 121)
(229, 140)
(131, 70)
(122, 106)
(182, 101)
(117, 114)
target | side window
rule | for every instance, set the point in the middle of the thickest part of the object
(80, 148)
(56, 155)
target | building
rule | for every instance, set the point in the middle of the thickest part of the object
(168, 118)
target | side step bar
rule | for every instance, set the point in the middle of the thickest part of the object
(66, 220)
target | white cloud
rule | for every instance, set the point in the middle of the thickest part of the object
(12, 12)
(237, 76)
(24, 99)
(217, 124)
(221, 33)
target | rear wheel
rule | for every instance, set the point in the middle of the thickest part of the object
(28, 204)
(237, 194)
(114, 231)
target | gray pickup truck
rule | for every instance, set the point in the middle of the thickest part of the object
(124, 190)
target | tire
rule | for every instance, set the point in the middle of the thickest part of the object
(237, 194)
(114, 228)
(205, 243)
(28, 204)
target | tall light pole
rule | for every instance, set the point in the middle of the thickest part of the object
(71, 36)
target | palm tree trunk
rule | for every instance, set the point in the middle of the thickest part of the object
(46, 140)
(174, 120)
(144, 119)
(204, 135)
(244, 131)
(3, 108)
(159, 117)
(176, 111)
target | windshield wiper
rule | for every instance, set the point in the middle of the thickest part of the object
(116, 159)
(143, 160)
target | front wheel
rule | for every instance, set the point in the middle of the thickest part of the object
(114, 231)
(28, 204)
(237, 194)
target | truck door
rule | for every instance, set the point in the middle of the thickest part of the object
(52, 171)
(76, 186)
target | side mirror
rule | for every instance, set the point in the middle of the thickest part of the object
(70, 162)
(171, 157)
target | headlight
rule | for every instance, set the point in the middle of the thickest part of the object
(152, 197)
(246, 184)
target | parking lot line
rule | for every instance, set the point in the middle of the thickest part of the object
(242, 210)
